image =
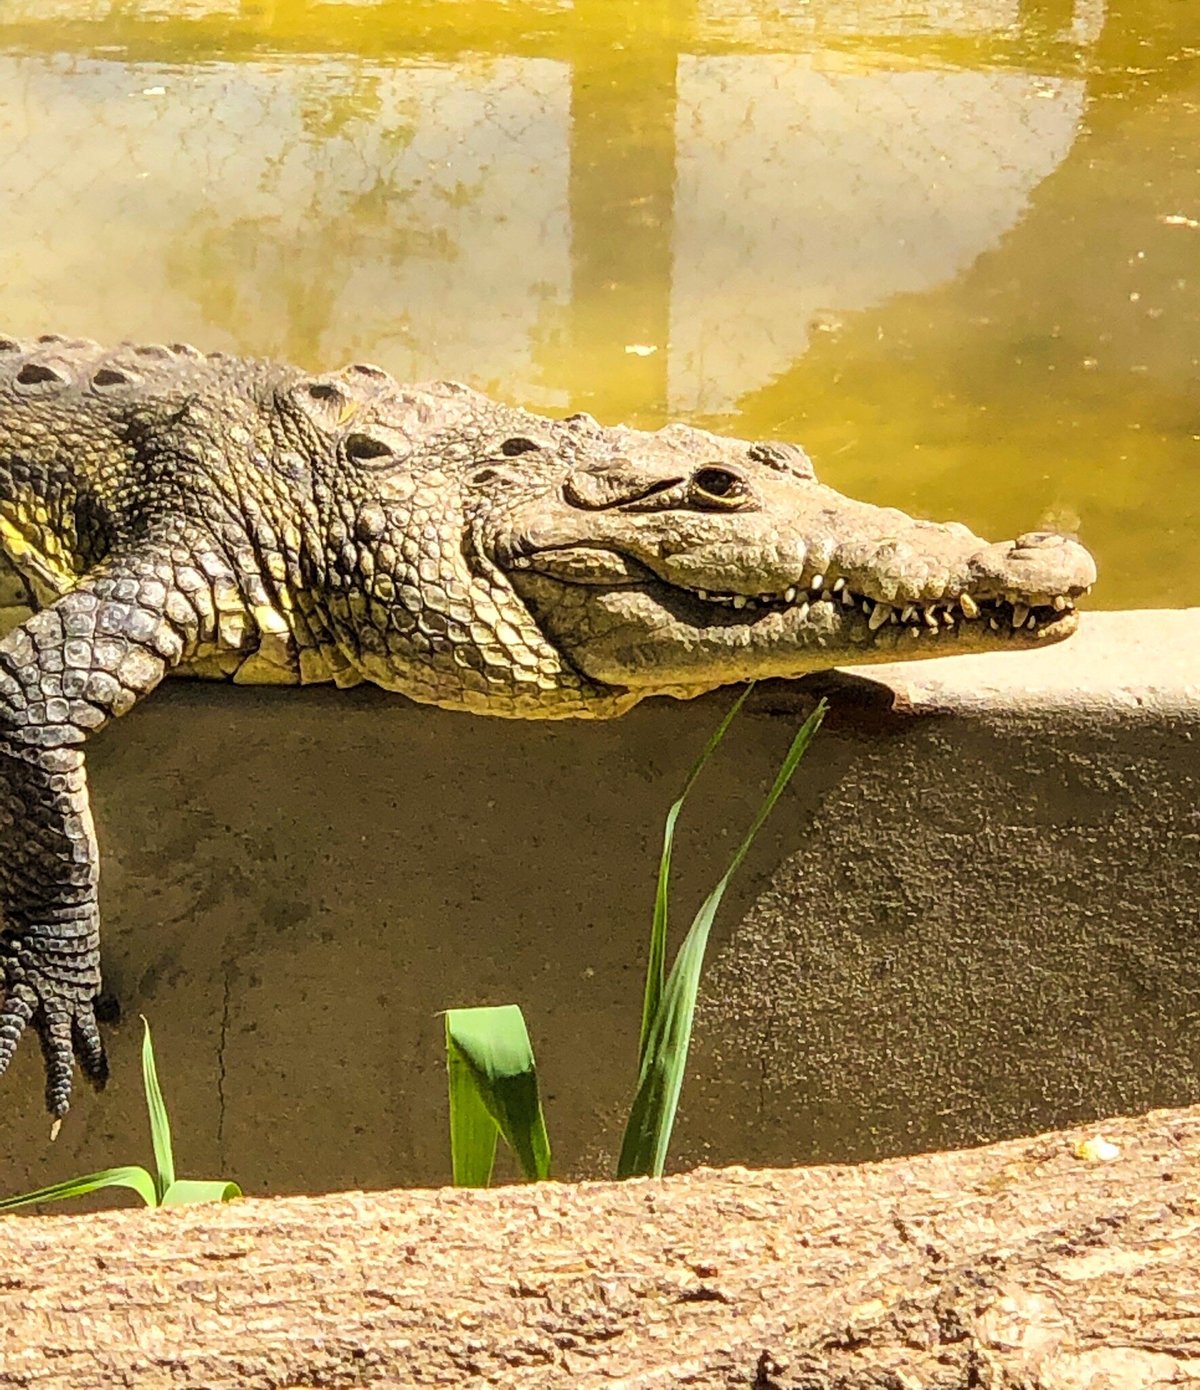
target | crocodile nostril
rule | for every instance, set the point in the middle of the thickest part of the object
(1039, 540)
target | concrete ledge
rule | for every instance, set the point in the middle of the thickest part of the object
(974, 916)
(1118, 663)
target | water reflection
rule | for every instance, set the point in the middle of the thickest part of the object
(807, 193)
(1078, 22)
(949, 245)
(415, 216)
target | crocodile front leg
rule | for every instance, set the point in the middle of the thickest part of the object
(64, 673)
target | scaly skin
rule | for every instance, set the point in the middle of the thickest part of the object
(166, 512)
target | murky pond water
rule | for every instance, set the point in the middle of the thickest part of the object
(952, 246)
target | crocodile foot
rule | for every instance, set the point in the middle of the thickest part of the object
(59, 1002)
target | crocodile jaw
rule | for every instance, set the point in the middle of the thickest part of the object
(622, 624)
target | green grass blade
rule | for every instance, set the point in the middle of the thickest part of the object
(160, 1125)
(488, 1051)
(136, 1179)
(652, 1115)
(185, 1192)
(473, 1132)
(656, 964)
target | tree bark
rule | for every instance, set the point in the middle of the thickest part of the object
(1037, 1264)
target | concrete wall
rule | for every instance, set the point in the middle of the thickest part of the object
(973, 916)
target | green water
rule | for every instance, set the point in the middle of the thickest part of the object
(951, 246)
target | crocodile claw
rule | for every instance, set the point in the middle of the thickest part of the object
(64, 1018)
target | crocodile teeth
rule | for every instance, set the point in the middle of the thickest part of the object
(915, 616)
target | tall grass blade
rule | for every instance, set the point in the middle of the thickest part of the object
(656, 965)
(160, 1125)
(492, 1070)
(652, 1115)
(136, 1179)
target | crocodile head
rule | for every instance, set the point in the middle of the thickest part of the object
(676, 561)
(586, 568)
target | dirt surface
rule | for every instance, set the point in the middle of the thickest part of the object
(1066, 1262)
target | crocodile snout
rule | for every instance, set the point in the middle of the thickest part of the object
(1037, 565)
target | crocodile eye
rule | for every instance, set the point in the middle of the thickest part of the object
(364, 449)
(720, 485)
(519, 445)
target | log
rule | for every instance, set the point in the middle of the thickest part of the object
(1053, 1263)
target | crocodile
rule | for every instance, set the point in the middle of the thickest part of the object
(165, 511)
